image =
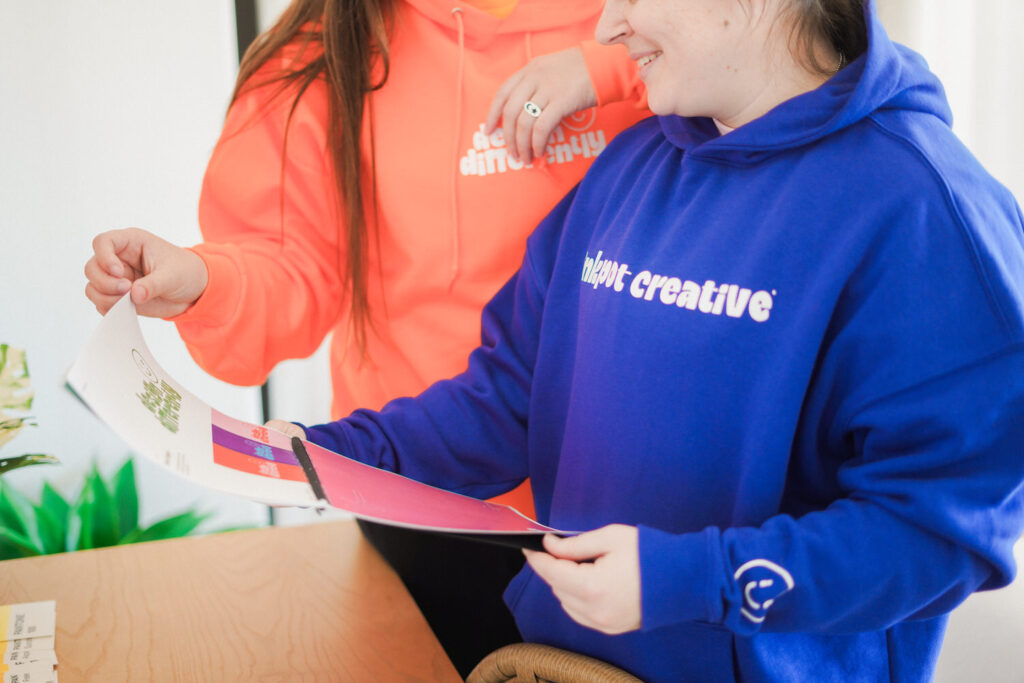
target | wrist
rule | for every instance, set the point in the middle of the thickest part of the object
(218, 286)
(198, 277)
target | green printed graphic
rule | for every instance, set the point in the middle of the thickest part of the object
(159, 397)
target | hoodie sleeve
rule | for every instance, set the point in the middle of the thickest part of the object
(466, 434)
(934, 507)
(271, 238)
(613, 74)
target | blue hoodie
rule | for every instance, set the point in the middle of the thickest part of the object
(793, 355)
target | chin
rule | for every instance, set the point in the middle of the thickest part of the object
(666, 106)
(660, 108)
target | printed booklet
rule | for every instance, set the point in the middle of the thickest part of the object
(118, 379)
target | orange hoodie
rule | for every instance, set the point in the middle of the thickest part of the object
(454, 209)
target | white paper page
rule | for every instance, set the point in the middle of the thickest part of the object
(116, 376)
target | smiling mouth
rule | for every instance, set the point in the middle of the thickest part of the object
(644, 61)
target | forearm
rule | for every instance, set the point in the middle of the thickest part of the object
(851, 568)
(256, 312)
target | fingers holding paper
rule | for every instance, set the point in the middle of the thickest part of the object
(164, 279)
(287, 428)
(595, 576)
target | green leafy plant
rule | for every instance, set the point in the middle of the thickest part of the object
(105, 513)
(16, 395)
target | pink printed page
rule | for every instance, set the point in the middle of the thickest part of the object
(393, 499)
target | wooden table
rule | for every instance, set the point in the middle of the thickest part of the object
(307, 603)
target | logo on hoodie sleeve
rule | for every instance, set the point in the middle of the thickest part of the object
(762, 582)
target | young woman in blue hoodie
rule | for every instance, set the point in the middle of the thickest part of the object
(768, 356)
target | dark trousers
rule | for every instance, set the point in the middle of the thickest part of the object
(457, 584)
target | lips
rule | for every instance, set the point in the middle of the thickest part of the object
(645, 61)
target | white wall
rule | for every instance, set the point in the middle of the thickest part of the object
(268, 11)
(109, 110)
(973, 48)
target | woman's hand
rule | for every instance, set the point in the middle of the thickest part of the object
(287, 428)
(558, 83)
(164, 279)
(602, 594)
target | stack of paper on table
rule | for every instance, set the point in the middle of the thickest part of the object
(28, 630)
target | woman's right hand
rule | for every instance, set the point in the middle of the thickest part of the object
(558, 83)
(164, 279)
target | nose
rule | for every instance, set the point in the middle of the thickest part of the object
(612, 27)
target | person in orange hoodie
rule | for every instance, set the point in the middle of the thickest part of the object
(393, 245)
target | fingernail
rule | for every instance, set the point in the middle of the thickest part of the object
(116, 269)
(123, 286)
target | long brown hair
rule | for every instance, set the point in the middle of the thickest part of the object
(352, 37)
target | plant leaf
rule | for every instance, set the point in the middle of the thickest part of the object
(11, 514)
(54, 502)
(53, 513)
(172, 527)
(8, 464)
(52, 530)
(14, 545)
(126, 499)
(80, 521)
(105, 530)
(13, 424)
(14, 379)
(131, 537)
(10, 401)
(19, 514)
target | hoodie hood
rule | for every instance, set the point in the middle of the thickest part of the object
(529, 16)
(887, 76)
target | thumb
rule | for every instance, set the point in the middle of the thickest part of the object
(287, 428)
(162, 288)
(586, 546)
(151, 286)
(176, 277)
(139, 293)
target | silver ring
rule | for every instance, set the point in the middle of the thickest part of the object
(532, 109)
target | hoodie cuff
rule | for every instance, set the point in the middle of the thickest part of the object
(676, 578)
(219, 301)
(331, 436)
(612, 73)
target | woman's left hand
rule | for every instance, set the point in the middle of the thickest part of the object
(558, 83)
(602, 594)
(287, 428)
